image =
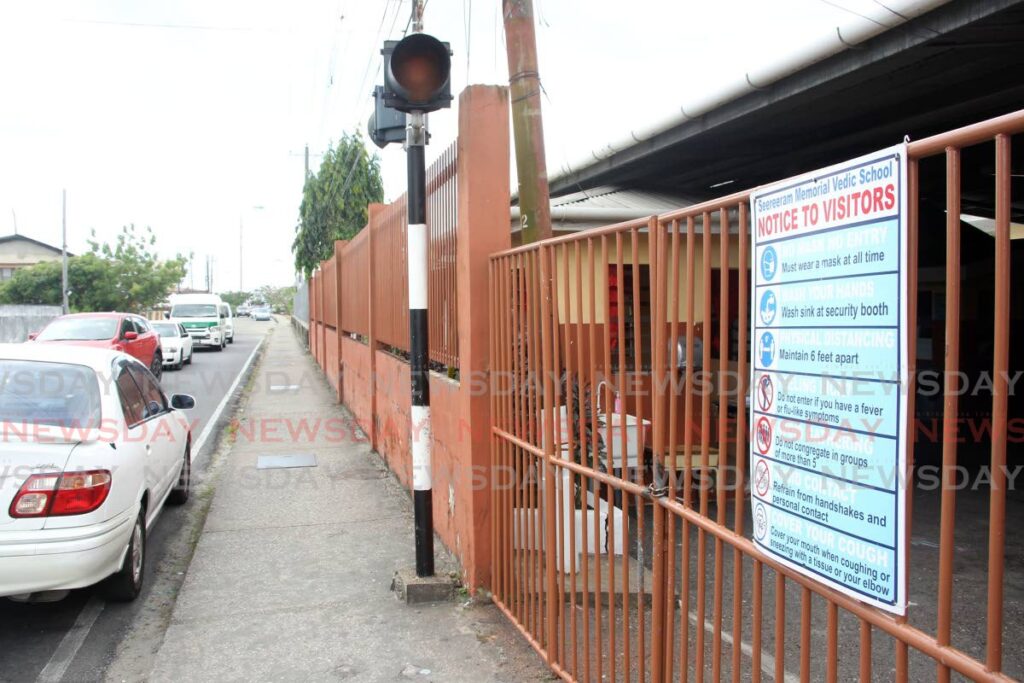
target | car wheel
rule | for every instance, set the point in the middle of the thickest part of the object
(231, 339)
(179, 494)
(157, 368)
(219, 347)
(189, 361)
(125, 585)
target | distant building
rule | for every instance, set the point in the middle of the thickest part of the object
(19, 251)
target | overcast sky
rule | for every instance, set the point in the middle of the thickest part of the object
(186, 115)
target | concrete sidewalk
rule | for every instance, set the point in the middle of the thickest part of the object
(291, 575)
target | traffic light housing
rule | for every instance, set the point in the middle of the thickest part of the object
(386, 125)
(417, 74)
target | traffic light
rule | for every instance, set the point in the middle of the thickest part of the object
(386, 125)
(417, 74)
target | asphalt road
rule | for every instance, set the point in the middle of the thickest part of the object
(76, 638)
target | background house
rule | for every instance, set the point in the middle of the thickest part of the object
(19, 251)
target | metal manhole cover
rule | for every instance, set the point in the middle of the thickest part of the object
(272, 462)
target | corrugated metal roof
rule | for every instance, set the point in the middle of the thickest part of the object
(610, 197)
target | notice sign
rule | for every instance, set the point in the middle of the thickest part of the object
(829, 368)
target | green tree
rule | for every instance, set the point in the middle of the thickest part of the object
(235, 299)
(335, 200)
(125, 276)
(278, 298)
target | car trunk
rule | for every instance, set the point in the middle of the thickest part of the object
(19, 459)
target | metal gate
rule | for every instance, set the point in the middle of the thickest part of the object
(619, 448)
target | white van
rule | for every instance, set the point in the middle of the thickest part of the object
(228, 322)
(202, 316)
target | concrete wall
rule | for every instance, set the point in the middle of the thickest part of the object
(17, 321)
(357, 382)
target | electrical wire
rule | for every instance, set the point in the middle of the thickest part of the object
(357, 152)
(467, 20)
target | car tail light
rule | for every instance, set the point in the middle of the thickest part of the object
(54, 495)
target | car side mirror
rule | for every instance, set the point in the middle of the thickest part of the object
(167, 315)
(32, 335)
(129, 336)
(182, 402)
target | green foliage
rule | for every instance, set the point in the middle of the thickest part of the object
(126, 276)
(335, 200)
(279, 299)
(236, 299)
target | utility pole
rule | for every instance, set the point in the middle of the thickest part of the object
(240, 288)
(417, 81)
(14, 215)
(306, 177)
(419, 345)
(527, 123)
(64, 250)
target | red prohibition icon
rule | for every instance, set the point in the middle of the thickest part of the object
(763, 435)
(762, 478)
(765, 393)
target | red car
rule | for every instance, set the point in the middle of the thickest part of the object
(119, 331)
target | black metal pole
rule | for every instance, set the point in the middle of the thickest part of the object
(417, 251)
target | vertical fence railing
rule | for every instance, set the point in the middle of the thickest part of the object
(442, 215)
(354, 271)
(613, 347)
(390, 275)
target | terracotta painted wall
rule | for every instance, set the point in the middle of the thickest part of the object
(392, 418)
(331, 356)
(355, 358)
(451, 451)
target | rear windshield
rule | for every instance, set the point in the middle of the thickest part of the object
(79, 329)
(33, 392)
(194, 311)
(166, 329)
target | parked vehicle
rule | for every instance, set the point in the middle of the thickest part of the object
(242, 311)
(125, 332)
(261, 313)
(95, 450)
(200, 315)
(228, 322)
(175, 343)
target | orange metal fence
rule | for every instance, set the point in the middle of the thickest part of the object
(620, 517)
(374, 276)
(354, 271)
(390, 288)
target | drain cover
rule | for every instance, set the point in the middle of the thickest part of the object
(274, 462)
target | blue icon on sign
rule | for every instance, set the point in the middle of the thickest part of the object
(769, 263)
(767, 349)
(768, 307)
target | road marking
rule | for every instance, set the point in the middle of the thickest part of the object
(208, 429)
(64, 654)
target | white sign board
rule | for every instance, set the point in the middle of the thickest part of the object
(829, 372)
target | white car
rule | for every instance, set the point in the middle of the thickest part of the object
(175, 344)
(93, 450)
